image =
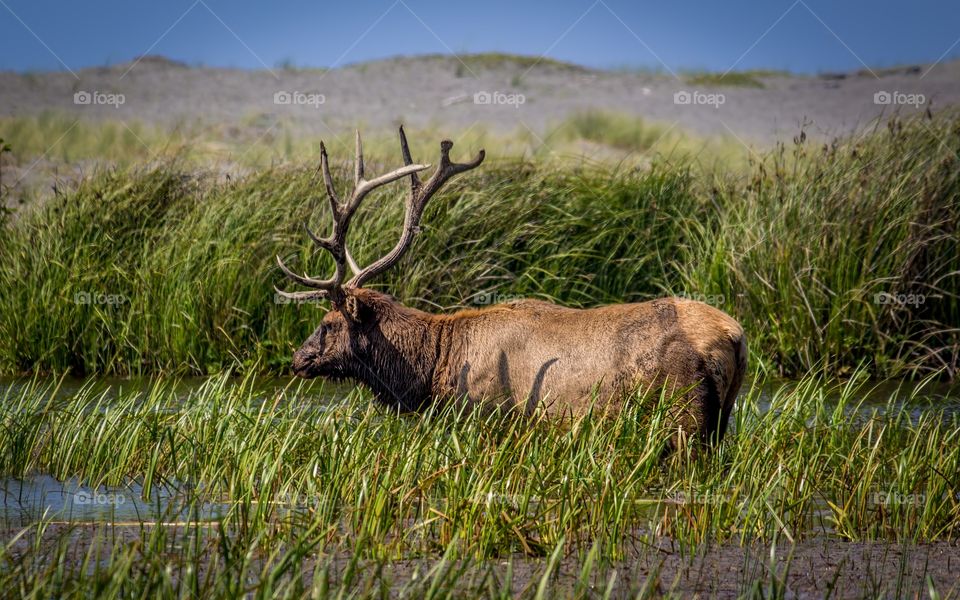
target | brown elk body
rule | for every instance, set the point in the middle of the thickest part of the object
(527, 355)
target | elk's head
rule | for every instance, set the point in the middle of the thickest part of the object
(351, 332)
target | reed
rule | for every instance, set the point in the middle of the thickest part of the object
(828, 256)
(313, 487)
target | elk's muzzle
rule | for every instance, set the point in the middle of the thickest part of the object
(302, 361)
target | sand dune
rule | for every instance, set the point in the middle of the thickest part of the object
(502, 94)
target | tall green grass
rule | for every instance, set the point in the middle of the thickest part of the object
(178, 266)
(809, 459)
(306, 483)
(833, 254)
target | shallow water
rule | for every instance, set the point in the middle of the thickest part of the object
(41, 496)
(263, 388)
(23, 501)
(888, 397)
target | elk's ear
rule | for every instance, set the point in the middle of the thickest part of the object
(356, 308)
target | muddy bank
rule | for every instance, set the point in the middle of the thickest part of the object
(813, 568)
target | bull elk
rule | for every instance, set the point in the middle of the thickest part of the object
(527, 354)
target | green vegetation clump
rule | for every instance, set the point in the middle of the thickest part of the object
(750, 79)
(58, 137)
(617, 131)
(502, 60)
(830, 257)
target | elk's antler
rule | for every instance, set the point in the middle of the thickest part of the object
(416, 201)
(420, 194)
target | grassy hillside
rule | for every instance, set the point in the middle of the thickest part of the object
(830, 256)
(261, 141)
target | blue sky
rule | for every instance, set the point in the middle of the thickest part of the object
(799, 35)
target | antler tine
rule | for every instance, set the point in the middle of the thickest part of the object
(328, 181)
(358, 163)
(324, 287)
(322, 242)
(354, 267)
(325, 243)
(405, 151)
(415, 204)
(447, 169)
(365, 186)
(318, 284)
(302, 296)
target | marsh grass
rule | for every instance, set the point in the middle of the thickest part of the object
(849, 250)
(155, 270)
(500, 484)
(324, 490)
(167, 269)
